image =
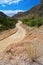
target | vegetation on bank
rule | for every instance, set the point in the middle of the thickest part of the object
(7, 23)
(33, 22)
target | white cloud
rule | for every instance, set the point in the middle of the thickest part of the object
(9, 1)
(3, 5)
(11, 12)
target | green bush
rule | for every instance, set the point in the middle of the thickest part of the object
(7, 23)
(33, 22)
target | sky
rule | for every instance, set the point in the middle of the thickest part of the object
(11, 7)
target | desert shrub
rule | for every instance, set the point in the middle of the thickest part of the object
(7, 23)
(33, 22)
(25, 21)
(38, 23)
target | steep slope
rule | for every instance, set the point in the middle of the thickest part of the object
(2, 14)
(33, 12)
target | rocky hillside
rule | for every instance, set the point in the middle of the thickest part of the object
(25, 46)
(2, 14)
(32, 13)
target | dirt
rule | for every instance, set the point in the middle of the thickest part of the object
(17, 37)
(29, 51)
(7, 33)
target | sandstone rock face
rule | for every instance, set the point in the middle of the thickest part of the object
(28, 52)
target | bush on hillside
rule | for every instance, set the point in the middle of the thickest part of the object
(33, 22)
(7, 23)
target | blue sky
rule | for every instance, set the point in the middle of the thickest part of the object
(11, 7)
